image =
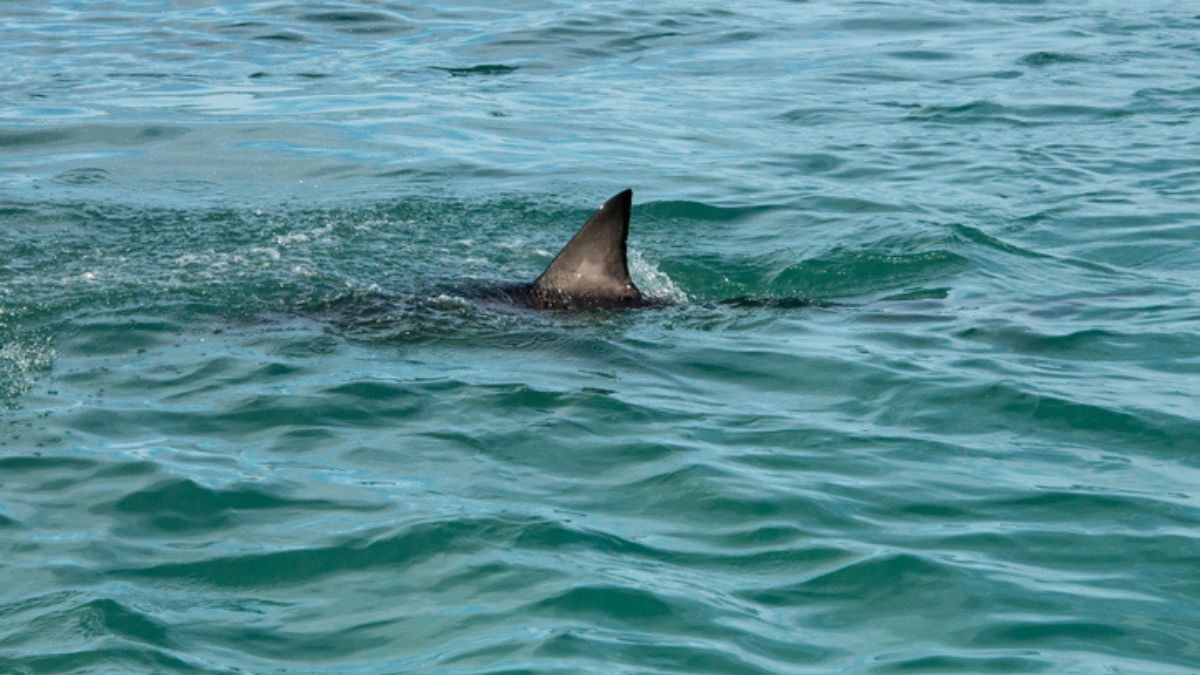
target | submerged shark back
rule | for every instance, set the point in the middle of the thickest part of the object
(591, 272)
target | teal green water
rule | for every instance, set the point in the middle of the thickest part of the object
(924, 398)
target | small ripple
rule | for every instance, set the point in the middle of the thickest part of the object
(1041, 59)
(978, 236)
(686, 210)
(922, 55)
(359, 21)
(1083, 345)
(901, 23)
(605, 604)
(1041, 631)
(1009, 406)
(953, 663)
(1080, 507)
(891, 579)
(182, 505)
(88, 634)
(12, 138)
(83, 176)
(582, 646)
(977, 112)
(857, 273)
(812, 116)
(38, 464)
(413, 545)
(283, 36)
(117, 659)
(485, 69)
(810, 164)
(110, 335)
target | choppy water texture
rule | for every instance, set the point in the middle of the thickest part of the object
(925, 399)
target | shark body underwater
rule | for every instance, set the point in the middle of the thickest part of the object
(591, 271)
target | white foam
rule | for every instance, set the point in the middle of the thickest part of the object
(19, 364)
(653, 282)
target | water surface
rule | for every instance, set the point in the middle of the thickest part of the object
(923, 398)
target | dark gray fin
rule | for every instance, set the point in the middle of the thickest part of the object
(591, 271)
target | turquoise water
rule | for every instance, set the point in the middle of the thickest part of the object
(924, 398)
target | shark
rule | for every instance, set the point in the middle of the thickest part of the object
(590, 273)
(592, 270)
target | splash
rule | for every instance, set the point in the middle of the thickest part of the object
(653, 282)
(20, 364)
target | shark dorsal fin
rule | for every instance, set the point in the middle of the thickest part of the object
(591, 270)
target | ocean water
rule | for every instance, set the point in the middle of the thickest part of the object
(922, 397)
